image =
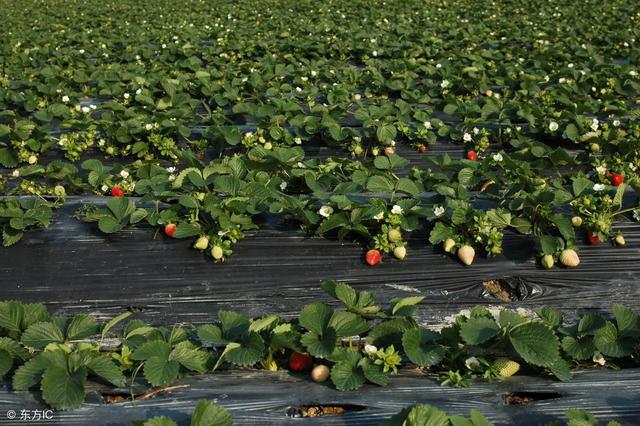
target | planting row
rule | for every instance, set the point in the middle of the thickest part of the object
(360, 343)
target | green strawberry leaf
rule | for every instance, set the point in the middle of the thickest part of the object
(347, 376)
(316, 317)
(320, 346)
(536, 343)
(421, 347)
(248, 352)
(159, 371)
(478, 330)
(63, 390)
(82, 326)
(207, 413)
(40, 334)
(103, 367)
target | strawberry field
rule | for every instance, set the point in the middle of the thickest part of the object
(340, 212)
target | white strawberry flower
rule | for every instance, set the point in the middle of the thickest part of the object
(370, 349)
(438, 211)
(86, 110)
(444, 84)
(636, 213)
(16, 173)
(633, 73)
(325, 211)
(472, 363)
(379, 216)
(148, 126)
(126, 96)
(81, 51)
(65, 99)
(298, 89)
(553, 126)
(616, 123)
(314, 73)
(601, 170)
(104, 188)
(427, 124)
(138, 91)
(594, 124)
(476, 130)
(283, 186)
(298, 141)
(599, 187)
(171, 169)
(467, 137)
(497, 157)
(396, 209)
(92, 106)
(374, 53)
(124, 174)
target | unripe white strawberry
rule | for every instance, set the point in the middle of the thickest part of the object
(506, 367)
(576, 221)
(547, 261)
(201, 243)
(394, 235)
(448, 245)
(400, 252)
(569, 258)
(217, 253)
(320, 373)
(620, 240)
(466, 254)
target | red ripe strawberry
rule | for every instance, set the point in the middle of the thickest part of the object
(472, 155)
(592, 238)
(170, 229)
(373, 257)
(300, 362)
(617, 179)
(422, 148)
(117, 191)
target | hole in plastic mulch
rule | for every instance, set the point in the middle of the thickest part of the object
(319, 410)
(519, 398)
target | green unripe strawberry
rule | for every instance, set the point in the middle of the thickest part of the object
(358, 150)
(201, 243)
(59, 191)
(505, 367)
(594, 147)
(394, 235)
(547, 261)
(217, 253)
